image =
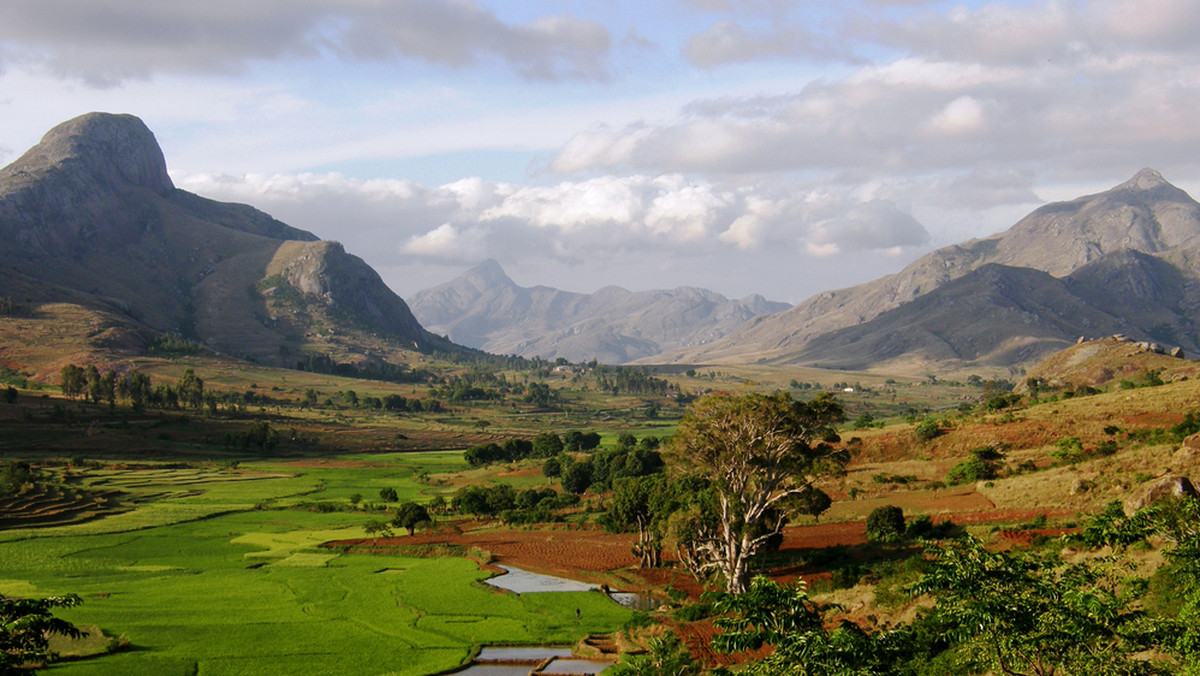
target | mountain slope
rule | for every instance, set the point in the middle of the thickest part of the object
(91, 209)
(1145, 214)
(484, 308)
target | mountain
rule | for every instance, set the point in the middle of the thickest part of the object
(1140, 237)
(484, 308)
(89, 216)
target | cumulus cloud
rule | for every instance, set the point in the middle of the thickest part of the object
(106, 41)
(604, 220)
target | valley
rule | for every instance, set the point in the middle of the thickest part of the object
(244, 454)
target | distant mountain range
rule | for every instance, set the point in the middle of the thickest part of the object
(485, 309)
(89, 216)
(89, 219)
(1126, 260)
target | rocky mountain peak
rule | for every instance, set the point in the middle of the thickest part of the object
(1146, 179)
(118, 150)
(488, 275)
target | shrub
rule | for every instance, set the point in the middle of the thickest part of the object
(885, 524)
(927, 430)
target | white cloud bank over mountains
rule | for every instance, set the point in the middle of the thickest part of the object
(779, 146)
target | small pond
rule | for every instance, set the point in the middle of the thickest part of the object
(525, 582)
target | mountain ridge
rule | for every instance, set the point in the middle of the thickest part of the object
(486, 309)
(1144, 213)
(91, 209)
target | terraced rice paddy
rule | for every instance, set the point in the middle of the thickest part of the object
(219, 572)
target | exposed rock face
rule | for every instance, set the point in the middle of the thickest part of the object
(484, 308)
(1134, 233)
(1156, 490)
(91, 212)
(348, 285)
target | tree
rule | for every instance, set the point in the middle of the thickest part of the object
(191, 389)
(377, 529)
(25, 629)
(885, 524)
(388, 494)
(577, 478)
(72, 380)
(409, 515)
(1031, 614)
(10, 395)
(546, 445)
(552, 468)
(812, 502)
(785, 618)
(758, 451)
(643, 504)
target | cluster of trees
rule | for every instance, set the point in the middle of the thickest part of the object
(544, 445)
(12, 308)
(134, 387)
(599, 471)
(994, 611)
(504, 501)
(630, 380)
(371, 370)
(14, 476)
(408, 515)
(745, 464)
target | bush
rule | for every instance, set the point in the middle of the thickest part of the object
(885, 524)
(927, 430)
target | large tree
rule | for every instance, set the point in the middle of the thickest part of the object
(759, 451)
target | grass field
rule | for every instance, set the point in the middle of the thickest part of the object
(201, 582)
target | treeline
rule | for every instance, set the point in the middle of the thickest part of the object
(544, 445)
(631, 381)
(502, 500)
(134, 388)
(12, 308)
(382, 371)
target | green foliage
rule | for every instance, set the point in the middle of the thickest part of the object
(168, 345)
(885, 524)
(388, 494)
(983, 465)
(14, 476)
(25, 629)
(577, 478)
(927, 430)
(1025, 613)
(410, 515)
(667, 656)
(757, 451)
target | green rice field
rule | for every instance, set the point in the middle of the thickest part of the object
(218, 571)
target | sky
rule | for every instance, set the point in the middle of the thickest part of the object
(779, 147)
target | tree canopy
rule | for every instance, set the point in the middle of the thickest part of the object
(758, 451)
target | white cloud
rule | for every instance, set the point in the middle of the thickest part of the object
(601, 221)
(107, 41)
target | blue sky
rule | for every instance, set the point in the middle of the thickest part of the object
(770, 146)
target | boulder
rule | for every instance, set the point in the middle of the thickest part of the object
(1155, 490)
(1177, 353)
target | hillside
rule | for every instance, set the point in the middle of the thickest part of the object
(484, 308)
(90, 217)
(1146, 215)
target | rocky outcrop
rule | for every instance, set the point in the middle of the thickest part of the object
(1157, 490)
(90, 212)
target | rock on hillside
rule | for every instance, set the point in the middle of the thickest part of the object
(1100, 362)
(484, 308)
(1145, 214)
(91, 211)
